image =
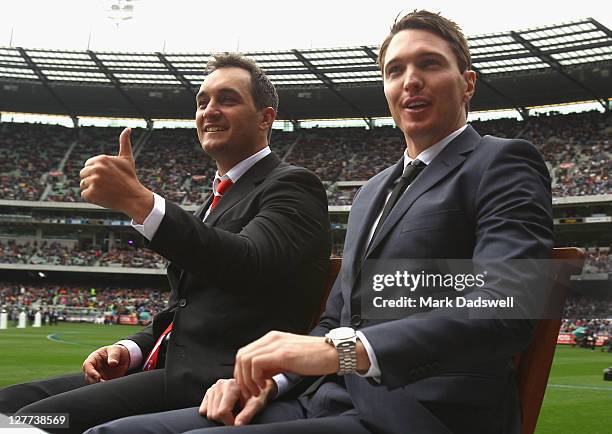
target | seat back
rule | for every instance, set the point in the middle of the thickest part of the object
(328, 283)
(533, 364)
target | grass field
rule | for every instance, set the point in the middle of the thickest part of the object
(577, 399)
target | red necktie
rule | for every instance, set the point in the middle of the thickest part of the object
(151, 361)
(222, 187)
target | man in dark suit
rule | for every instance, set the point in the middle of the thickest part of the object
(452, 195)
(252, 259)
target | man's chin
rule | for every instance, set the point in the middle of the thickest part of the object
(213, 147)
(413, 129)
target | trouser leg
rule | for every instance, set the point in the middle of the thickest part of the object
(343, 424)
(138, 393)
(177, 421)
(13, 398)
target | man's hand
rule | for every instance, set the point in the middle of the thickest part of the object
(112, 182)
(223, 396)
(106, 363)
(278, 352)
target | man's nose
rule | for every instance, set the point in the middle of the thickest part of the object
(412, 80)
(211, 110)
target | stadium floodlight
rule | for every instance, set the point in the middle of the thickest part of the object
(120, 10)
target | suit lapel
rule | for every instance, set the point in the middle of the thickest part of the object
(201, 211)
(369, 206)
(452, 156)
(363, 213)
(243, 186)
(180, 272)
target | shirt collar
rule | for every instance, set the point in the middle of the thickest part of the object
(236, 172)
(432, 152)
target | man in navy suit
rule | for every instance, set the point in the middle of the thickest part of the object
(452, 194)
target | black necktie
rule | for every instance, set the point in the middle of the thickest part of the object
(411, 171)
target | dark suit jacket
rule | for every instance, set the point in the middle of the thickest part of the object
(257, 264)
(481, 198)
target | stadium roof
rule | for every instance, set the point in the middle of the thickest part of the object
(548, 65)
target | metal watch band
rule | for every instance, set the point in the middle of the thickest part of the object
(347, 356)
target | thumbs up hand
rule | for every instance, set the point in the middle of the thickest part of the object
(112, 182)
(125, 144)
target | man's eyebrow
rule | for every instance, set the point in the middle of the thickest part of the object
(229, 90)
(225, 90)
(431, 54)
(392, 60)
(418, 55)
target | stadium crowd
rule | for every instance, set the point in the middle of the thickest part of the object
(16, 297)
(598, 259)
(579, 307)
(580, 311)
(341, 196)
(55, 253)
(135, 258)
(29, 154)
(41, 162)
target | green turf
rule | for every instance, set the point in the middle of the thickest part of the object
(577, 399)
(28, 354)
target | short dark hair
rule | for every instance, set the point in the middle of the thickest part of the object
(435, 23)
(263, 91)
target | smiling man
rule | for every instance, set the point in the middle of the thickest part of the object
(250, 260)
(452, 194)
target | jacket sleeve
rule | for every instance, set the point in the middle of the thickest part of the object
(290, 226)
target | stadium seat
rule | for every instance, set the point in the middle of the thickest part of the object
(328, 283)
(533, 364)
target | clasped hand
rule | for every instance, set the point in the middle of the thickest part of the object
(279, 352)
(252, 386)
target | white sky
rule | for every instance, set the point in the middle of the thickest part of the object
(205, 26)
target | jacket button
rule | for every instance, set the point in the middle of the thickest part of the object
(182, 302)
(355, 320)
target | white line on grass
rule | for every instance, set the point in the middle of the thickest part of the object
(570, 386)
(56, 338)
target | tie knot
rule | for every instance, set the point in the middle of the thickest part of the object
(223, 186)
(413, 169)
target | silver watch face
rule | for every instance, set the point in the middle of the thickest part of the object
(341, 333)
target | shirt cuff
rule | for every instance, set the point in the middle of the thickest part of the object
(374, 370)
(282, 384)
(135, 353)
(153, 220)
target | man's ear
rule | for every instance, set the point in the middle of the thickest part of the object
(267, 119)
(470, 80)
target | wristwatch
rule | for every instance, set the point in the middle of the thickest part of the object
(345, 341)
